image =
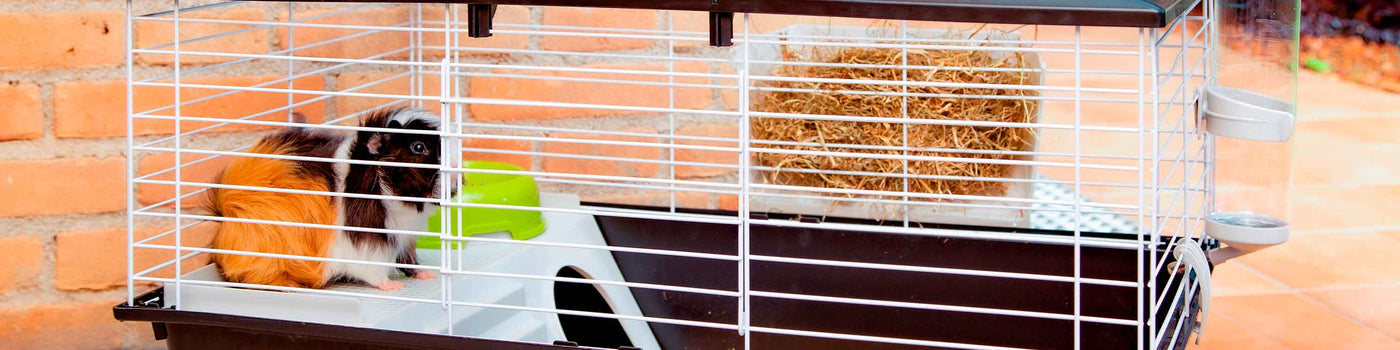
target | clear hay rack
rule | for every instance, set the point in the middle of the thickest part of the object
(711, 174)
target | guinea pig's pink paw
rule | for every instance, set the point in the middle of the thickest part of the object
(424, 275)
(390, 285)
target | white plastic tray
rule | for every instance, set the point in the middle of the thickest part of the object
(493, 323)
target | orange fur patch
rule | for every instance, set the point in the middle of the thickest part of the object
(274, 206)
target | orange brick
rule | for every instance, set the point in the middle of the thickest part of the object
(728, 202)
(21, 115)
(505, 14)
(705, 156)
(602, 167)
(23, 258)
(64, 325)
(150, 34)
(597, 18)
(205, 172)
(691, 200)
(94, 259)
(61, 40)
(520, 160)
(584, 92)
(62, 186)
(398, 86)
(729, 97)
(358, 47)
(98, 109)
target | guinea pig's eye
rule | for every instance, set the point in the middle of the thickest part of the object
(418, 148)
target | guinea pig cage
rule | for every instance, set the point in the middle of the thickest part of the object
(724, 174)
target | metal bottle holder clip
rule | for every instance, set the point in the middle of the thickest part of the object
(1246, 115)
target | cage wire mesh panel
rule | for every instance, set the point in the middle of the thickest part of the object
(822, 182)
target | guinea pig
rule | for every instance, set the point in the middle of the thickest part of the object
(349, 212)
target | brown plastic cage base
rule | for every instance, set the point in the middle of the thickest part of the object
(196, 330)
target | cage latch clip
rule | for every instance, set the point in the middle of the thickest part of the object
(721, 29)
(479, 20)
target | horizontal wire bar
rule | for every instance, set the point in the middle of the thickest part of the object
(278, 53)
(938, 159)
(918, 203)
(708, 219)
(288, 256)
(530, 103)
(705, 291)
(168, 232)
(937, 84)
(596, 177)
(737, 39)
(941, 270)
(590, 131)
(272, 82)
(595, 80)
(295, 158)
(947, 40)
(284, 223)
(606, 315)
(949, 233)
(931, 121)
(610, 248)
(577, 54)
(938, 95)
(164, 264)
(1010, 48)
(867, 338)
(668, 189)
(939, 307)
(291, 191)
(264, 25)
(289, 289)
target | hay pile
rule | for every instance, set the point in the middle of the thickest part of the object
(834, 133)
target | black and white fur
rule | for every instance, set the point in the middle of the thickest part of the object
(384, 180)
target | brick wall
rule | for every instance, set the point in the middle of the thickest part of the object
(61, 176)
(63, 127)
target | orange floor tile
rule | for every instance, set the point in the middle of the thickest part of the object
(1336, 283)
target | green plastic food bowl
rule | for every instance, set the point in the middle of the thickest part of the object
(501, 189)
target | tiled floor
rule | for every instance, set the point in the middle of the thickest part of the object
(1336, 283)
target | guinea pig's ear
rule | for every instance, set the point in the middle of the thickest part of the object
(395, 124)
(298, 118)
(375, 141)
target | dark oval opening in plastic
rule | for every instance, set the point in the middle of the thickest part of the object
(586, 330)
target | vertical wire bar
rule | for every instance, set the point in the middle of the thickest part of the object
(416, 55)
(445, 249)
(1141, 173)
(291, 63)
(445, 177)
(1211, 70)
(179, 212)
(1078, 180)
(744, 169)
(1156, 187)
(904, 113)
(671, 102)
(130, 167)
(458, 118)
(1185, 139)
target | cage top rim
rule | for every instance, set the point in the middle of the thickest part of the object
(1105, 13)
